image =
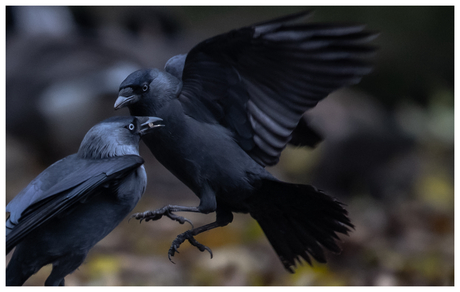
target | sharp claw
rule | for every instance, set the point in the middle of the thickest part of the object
(137, 216)
(169, 257)
(209, 250)
(181, 238)
(200, 246)
(171, 252)
(157, 214)
(189, 222)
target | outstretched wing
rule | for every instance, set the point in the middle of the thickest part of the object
(59, 188)
(259, 80)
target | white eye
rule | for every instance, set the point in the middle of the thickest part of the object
(131, 127)
(145, 87)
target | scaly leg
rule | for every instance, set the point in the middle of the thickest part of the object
(168, 212)
(223, 217)
(189, 235)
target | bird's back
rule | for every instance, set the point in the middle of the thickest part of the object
(37, 189)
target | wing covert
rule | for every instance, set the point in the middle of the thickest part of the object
(259, 80)
(76, 186)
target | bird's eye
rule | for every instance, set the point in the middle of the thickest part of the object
(131, 127)
(145, 87)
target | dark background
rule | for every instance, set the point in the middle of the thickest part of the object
(388, 149)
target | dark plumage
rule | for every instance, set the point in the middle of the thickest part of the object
(232, 104)
(77, 201)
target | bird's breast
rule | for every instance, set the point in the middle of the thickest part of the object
(198, 153)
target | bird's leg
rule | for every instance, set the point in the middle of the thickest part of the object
(189, 235)
(222, 219)
(207, 205)
(168, 212)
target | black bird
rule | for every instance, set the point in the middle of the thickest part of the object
(77, 201)
(231, 105)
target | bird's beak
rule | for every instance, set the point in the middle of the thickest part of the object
(126, 96)
(149, 125)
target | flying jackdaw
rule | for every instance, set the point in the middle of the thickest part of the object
(232, 104)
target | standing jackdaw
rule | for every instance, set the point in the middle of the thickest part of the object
(77, 201)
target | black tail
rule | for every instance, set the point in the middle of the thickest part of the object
(299, 220)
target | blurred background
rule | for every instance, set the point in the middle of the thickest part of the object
(388, 148)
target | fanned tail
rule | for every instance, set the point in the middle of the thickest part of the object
(299, 221)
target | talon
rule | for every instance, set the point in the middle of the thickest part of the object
(209, 250)
(157, 214)
(169, 257)
(135, 215)
(177, 218)
(186, 220)
(198, 245)
(186, 236)
(171, 252)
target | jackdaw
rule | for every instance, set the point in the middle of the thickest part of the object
(231, 105)
(77, 201)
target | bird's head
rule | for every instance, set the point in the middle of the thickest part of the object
(116, 136)
(144, 91)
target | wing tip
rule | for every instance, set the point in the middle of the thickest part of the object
(262, 27)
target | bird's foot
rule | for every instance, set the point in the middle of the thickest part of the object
(157, 214)
(187, 235)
